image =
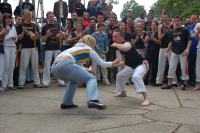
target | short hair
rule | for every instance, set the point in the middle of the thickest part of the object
(178, 17)
(48, 13)
(93, 18)
(27, 14)
(120, 32)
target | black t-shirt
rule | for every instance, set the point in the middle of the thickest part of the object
(179, 39)
(1, 42)
(26, 41)
(165, 40)
(132, 58)
(51, 43)
(127, 36)
(28, 6)
(139, 44)
(5, 8)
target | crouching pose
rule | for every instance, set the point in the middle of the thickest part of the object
(67, 67)
(135, 67)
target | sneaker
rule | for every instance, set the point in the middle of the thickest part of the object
(21, 86)
(106, 83)
(120, 94)
(167, 87)
(37, 86)
(183, 86)
(62, 106)
(96, 104)
(2, 89)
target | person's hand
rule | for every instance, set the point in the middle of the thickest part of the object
(117, 62)
(14, 38)
(5, 31)
(114, 45)
(145, 62)
(49, 34)
(186, 52)
(166, 53)
(91, 69)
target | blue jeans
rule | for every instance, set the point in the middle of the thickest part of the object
(67, 70)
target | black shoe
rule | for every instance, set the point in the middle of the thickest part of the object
(96, 104)
(62, 106)
(183, 86)
(175, 85)
(167, 87)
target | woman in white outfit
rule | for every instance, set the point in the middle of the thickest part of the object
(10, 51)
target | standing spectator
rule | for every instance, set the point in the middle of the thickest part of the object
(49, 33)
(18, 9)
(102, 7)
(152, 52)
(86, 20)
(180, 45)
(164, 37)
(61, 12)
(193, 51)
(101, 48)
(197, 35)
(74, 19)
(91, 28)
(28, 34)
(10, 52)
(18, 22)
(68, 32)
(27, 6)
(92, 8)
(5, 7)
(75, 36)
(79, 8)
(2, 34)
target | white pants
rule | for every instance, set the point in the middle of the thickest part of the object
(49, 54)
(1, 66)
(161, 67)
(173, 62)
(198, 65)
(102, 70)
(9, 66)
(137, 75)
(119, 55)
(28, 54)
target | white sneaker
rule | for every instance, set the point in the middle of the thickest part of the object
(2, 89)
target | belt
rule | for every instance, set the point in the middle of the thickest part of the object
(61, 58)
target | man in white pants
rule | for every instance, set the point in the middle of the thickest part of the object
(180, 43)
(52, 47)
(164, 36)
(135, 67)
(27, 33)
(197, 35)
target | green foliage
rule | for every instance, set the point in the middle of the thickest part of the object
(183, 8)
(136, 8)
(113, 1)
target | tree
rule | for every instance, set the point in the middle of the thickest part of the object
(113, 1)
(136, 8)
(183, 8)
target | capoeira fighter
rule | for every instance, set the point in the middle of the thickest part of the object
(135, 67)
(52, 36)
(27, 34)
(66, 67)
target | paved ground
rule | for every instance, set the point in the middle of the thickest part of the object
(37, 111)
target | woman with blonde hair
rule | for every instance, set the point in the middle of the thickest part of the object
(68, 66)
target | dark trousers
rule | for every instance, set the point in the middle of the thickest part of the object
(192, 67)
